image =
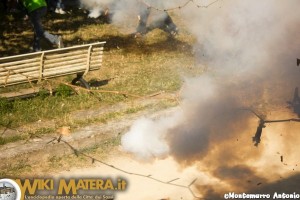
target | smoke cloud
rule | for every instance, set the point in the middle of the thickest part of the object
(250, 48)
(146, 139)
(124, 13)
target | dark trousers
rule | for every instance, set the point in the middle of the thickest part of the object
(144, 13)
(53, 4)
(4, 3)
(39, 32)
(163, 21)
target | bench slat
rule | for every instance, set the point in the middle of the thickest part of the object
(19, 67)
(22, 70)
(95, 65)
(64, 70)
(16, 78)
(74, 52)
(81, 61)
(66, 54)
(19, 62)
(68, 69)
(59, 59)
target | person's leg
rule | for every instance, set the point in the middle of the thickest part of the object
(165, 23)
(169, 25)
(59, 7)
(35, 17)
(5, 5)
(143, 18)
(53, 39)
(59, 4)
(12, 6)
(51, 4)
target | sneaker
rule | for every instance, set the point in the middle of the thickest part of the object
(25, 18)
(60, 43)
(60, 11)
(174, 32)
(138, 35)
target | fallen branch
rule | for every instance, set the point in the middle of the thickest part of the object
(262, 122)
(178, 7)
(271, 121)
(112, 91)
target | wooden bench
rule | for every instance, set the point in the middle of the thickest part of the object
(39, 66)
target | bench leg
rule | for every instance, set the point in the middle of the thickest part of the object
(82, 82)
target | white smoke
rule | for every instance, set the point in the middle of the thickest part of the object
(146, 138)
(124, 13)
(95, 13)
(250, 48)
(95, 7)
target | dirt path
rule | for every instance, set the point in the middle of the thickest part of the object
(139, 185)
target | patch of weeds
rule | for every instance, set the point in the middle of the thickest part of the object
(17, 169)
(63, 91)
(5, 106)
(103, 146)
(55, 161)
(110, 116)
(36, 133)
(168, 103)
(41, 132)
(43, 93)
(20, 112)
(136, 109)
(5, 140)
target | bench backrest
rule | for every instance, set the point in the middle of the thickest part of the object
(49, 64)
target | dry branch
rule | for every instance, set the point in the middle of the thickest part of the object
(179, 7)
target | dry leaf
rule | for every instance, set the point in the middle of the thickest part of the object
(65, 130)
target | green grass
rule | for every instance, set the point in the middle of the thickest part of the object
(99, 151)
(24, 168)
(13, 170)
(26, 135)
(102, 147)
(20, 112)
(5, 140)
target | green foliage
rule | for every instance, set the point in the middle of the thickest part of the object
(63, 91)
(43, 93)
(5, 140)
(5, 106)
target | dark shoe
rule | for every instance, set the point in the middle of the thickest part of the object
(175, 32)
